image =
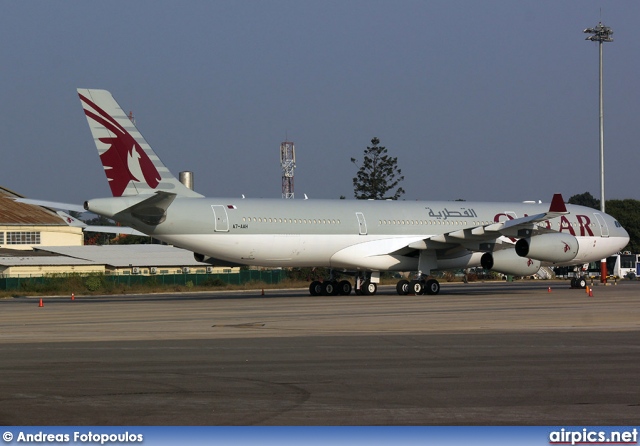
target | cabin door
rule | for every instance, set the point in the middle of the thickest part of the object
(362, 224)
(604, 229)
(221, 221)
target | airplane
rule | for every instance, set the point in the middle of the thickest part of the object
(361, 238)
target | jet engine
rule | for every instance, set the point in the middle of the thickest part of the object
(555, 248)
(201, 257)
(211, 261)
(508, 262)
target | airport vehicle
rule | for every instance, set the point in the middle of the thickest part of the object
(358, 237)
(621, 265)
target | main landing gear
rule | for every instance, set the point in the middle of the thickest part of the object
(330, 288)
(418, 287)
(342, 288)
(333, 287)
(366, 287)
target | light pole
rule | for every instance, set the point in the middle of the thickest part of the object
(601, 34)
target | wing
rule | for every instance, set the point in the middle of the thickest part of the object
(516, 228)
(516, 246)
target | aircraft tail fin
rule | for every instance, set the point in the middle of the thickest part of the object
(130, 164)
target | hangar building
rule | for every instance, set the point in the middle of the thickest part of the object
(25, 226)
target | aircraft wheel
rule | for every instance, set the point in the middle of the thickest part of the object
(403, 287)
(315, 289)
(329, 288)
(432, 287)
(416, 287)
(368, 288)
(581, 282)
(344, 288)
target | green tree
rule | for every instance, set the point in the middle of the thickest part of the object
(126, 239)
(378, 176)
(627, 212)
(111, 238)
(98, 238)
(585, 199)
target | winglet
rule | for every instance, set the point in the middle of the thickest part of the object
(557, 204)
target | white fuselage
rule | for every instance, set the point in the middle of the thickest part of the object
(353, 235)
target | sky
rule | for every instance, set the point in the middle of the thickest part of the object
(493, 101)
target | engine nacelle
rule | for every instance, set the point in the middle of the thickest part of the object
(508, 262)
(211, 261)
(200, 257)
(555, 248)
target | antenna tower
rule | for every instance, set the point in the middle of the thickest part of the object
(288, 163)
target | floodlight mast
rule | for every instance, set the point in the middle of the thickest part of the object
(288, 163)
(601, 34)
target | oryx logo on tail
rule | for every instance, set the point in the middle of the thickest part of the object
(125, 160)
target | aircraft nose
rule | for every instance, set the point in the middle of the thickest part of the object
(622, 234)
(626, 235)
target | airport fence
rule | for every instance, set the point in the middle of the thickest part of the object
(188, 280)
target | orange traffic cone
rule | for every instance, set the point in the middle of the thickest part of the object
(41, 304)
(586, 290)
(590, 292)
(73, 296)
(549, 290)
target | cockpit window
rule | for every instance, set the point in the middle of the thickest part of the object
(618, 225)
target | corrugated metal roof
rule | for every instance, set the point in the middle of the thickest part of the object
(13, 213)
(8, 252)
(29, 260)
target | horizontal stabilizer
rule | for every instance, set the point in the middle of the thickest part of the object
(113, 230)
(75, 223)
(52, 204)
(71, 221)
